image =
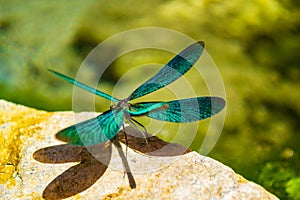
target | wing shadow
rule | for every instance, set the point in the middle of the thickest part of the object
(154, 147)
(77, 178)
(80, 177)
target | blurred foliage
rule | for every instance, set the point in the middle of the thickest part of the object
(255, 44)
(293, 188)
(280, 179)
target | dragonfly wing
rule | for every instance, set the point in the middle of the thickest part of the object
(84, 86)
(184, 110)
(93, 131)
(173, 70)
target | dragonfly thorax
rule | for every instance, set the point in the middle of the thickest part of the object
(123, 104)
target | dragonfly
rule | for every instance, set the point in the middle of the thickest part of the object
(107, 125)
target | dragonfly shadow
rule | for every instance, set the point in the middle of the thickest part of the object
(77, 178)
(154, 147)
(92, 166)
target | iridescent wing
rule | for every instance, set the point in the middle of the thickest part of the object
(84, 86)
(93, 131)
(184, 110)
(173, 70)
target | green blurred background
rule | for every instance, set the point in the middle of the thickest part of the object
(255, 44)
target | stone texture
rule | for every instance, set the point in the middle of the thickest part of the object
(33, 163)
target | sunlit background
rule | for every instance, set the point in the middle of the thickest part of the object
(255, 44)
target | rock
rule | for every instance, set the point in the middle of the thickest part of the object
(34, 163)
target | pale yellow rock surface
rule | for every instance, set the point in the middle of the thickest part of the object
(24, 131)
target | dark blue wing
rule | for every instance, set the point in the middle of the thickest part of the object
(173, 70)
(184, 110)
(93, 131)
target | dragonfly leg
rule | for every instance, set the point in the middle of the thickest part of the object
(126, 141)
(146, 136)
(125, 163)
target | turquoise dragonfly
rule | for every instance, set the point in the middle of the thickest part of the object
(108, 124)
